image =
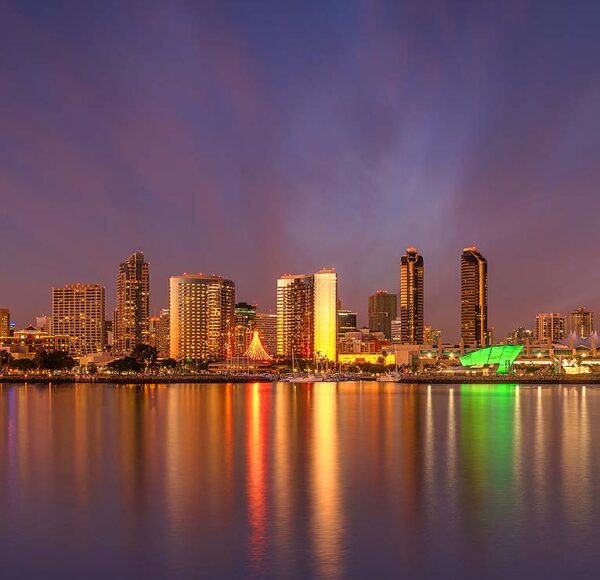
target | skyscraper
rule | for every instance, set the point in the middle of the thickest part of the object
(581, 322)
(130, 325)
(295, 315)
(201, 317)
(4, 322)
(78, 312)
(325, 313)
(473, 298)
(383, 308)
(307, 315)
(412, 297)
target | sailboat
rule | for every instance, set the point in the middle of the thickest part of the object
(297, 377)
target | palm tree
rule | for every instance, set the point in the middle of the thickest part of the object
(4, 359)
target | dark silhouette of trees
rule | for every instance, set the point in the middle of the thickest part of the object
(127, 364)
(144, 354)
(53, 360)
(22, 364)
(5, 358)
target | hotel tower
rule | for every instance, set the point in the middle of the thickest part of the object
(202, 317)
(78, 312)
(411, 297)
(130, 325)
(307, 315)
(473, 298)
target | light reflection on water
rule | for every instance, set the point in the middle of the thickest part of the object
(299, 481)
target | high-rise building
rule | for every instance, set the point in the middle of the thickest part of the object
(412, 297)
(346, 321)
(78, 312)
(549, 327)
(473, 298)
(245, 315)
(4, 322)
(383, 308)
(162, 330)
(201, 317)
(307, 315)
(581, 322)
(295, 315)
(325, 313)
(431, 335)
(396, 330)
(266, 325)
(133, 304)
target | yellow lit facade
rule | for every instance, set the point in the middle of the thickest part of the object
(307, 315)
(325, 314)
(367, 357)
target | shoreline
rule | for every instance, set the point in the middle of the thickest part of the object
(239, 379)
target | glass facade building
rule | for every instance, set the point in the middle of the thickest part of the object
(132, 312)
(473, 298)
(412, 297)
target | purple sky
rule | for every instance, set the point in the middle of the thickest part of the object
(251, 139)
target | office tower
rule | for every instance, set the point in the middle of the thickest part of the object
(307, 315)
(383, 308)
(473, 298)
(581, 322)
(549, 327)
(245, 315)
(412, 297)
(346, 321)
(325, 314)
(4, 322)
(133, 304)
(431, 335)
(78, 312)
(266, 325)
(201, 317)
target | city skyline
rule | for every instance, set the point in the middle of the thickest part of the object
(449, 334)
(408, 125)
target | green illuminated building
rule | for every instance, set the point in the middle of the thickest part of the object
(503, 356)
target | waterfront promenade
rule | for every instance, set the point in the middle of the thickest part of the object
(420, 378)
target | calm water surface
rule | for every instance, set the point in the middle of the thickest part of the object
(305, 481)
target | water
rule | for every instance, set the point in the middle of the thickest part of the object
(299, 481)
